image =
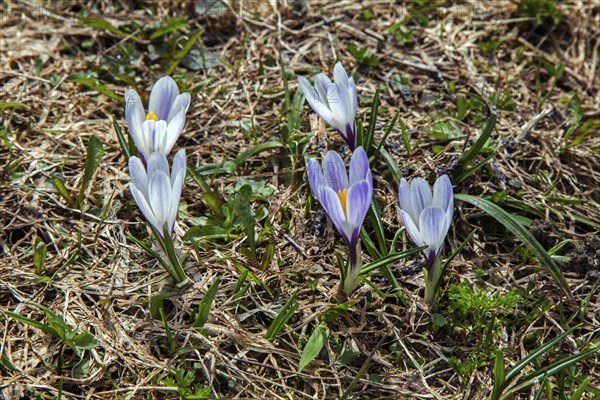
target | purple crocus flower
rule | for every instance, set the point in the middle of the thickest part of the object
(345, 198)
(157, 190)
(335, 101)
(160, 128)
(427, 216)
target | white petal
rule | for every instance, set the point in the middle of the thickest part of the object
(134, 113)
(157, 162)
(181, 103)
(173, 131)
(315, 175)
(316, 103)
(137, 173)
(442, 192)
(143, 205)
(179, 166)
(420, 197)
(160, 198)
(359, 165)
(176, 196)
(411, 228)
(339, 75)
(331, 203)
(334, 171)
(432, 223)
(162, 97)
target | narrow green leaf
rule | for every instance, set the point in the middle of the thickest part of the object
(205, 232)
(152, 253)
(370, 134)
(168, 26)
(476, 148)
(244, 211)
(33, 323)
(390, 259)
(4, 106)
(121, 137)
(388, 130)
(499, 375)
(85, 341)
(95, 151)
(102, 24)
(578, 394)
(59, 185)
(511, 223)
(170, 341)
(206, 304)
(314, 345)
(517, 368)
(7, 365)
(286, 312)
(178, 56)
(392, 165)
(39, 255)
(94, 84)
(256, 149)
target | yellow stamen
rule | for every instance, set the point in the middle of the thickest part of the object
(342, 196)
(151, 116)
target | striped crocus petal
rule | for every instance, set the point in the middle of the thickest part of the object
(330, 200)
(334, 171)
(357, 204)
(163, 95)
(315, 175)
(336, 102)
(432, 224)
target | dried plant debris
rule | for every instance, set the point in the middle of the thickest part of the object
(503, 97)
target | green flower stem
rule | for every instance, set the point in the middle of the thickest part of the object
(433, 279)
(174, 269)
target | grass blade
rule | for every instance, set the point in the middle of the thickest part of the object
(121, 137)
(206, 304)
(512, 224)
(370, 134)
(286, 312)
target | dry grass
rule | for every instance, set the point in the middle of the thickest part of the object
(100, 282)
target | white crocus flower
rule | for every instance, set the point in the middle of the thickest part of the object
(157, 190)
(159, 129)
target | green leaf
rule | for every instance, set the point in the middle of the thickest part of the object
(512, 224)
(256, 149)
(157, 302)
(370, 134)
(7, 365)
(85, 341)
(314, 345)
(59, 185)
(95, 151)
(178, 56)
(33, 323)
(168, 26)
(121, 137)
(244, 211)
(499, 374)
(205, 232)
(286, 312)
(333, 312)
(206, 304)
(102, 24)
(170, 341)
(470, 155)
(12, 105)
(390, 259)
(94, 84)
(39, 255)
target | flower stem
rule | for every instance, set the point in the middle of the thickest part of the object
(351, 279)
(433, 279)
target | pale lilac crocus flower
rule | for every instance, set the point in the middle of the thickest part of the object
(346, 199)
(335, 102)
(427, 217)
(157, 190)
(159, 129)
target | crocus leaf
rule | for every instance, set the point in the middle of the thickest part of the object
(512, 224)
(94, 84)
(95, 151)
(244, 211)
(102, 24)
(12, 105)
(332, 313)
(59, 185)
(168, 26)
(206, 304)
(286, 312)
(39, 255)
(121, 137)
(178, 56)
(314, 345)
(33, 323)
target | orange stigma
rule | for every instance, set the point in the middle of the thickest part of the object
(342, 194)
(151, 116)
